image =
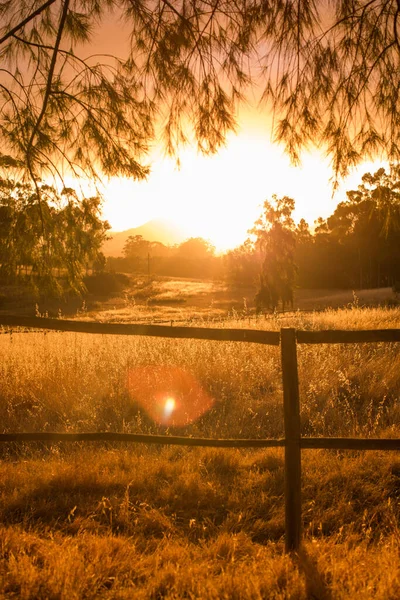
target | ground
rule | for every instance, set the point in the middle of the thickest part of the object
(182, 299)
(81, 521)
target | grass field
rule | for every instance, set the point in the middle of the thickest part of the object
(186, 300)
(161, 299)
(102, 521)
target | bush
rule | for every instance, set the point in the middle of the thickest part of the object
(106, 284)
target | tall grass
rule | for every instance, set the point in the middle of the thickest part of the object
(79, 521)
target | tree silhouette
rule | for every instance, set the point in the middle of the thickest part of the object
(136, 247)
(330, 70)
(137, 251)
(242, 265)
(75, 234)
(96, 114)
(367, 226)
(358, 245)
(276, 241)
(195, 249)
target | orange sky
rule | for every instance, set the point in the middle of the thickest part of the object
(219, 197)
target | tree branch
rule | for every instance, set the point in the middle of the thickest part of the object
(25, 21)
(49, 79)
(395, 21)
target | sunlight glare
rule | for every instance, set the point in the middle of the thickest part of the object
(151, 386)
(220, 197)
(169, 407)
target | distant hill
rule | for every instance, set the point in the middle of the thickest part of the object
(156, 230)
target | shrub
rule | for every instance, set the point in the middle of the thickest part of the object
(106, 284)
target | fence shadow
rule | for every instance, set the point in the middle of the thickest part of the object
(317, 588)
(49, 503)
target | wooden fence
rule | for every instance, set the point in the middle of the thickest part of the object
(293, 442)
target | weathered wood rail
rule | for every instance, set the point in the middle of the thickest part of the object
(256, 336)
(293, 442)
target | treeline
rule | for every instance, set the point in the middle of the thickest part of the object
(49, 240)
(358, 246)
(195, 257)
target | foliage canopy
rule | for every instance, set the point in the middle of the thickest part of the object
(275, 243)
(357, 246)
(74, 237)
(330, 71)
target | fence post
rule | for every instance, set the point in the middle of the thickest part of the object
(291, 408)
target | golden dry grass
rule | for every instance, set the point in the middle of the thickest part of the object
(325, 298)
(96, 521)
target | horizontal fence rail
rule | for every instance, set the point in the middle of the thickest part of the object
(306, 443)
(293, 442)
(141, 438)
(256, 336)
(346, 336)
(350, 443)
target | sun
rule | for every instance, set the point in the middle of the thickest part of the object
(220, 197)
(214, 197)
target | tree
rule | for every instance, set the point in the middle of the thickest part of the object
(195, 257)
(331, 71)
(305, 255)
(75, 234)
(136, 247)
(367, 226)
(324, 261)
(358, 245)
(80, 235)
(96, 114)
(276, 242)
(195, 249)
(242, 265)
(137, 252)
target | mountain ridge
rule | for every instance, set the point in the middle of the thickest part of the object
(155, 230)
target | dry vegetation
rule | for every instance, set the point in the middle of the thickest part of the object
(80, 521)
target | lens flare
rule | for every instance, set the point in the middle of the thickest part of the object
(169, 407)
(170, 395)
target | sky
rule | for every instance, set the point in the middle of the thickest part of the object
(220, 197)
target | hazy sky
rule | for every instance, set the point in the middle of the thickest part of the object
(219, 197)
